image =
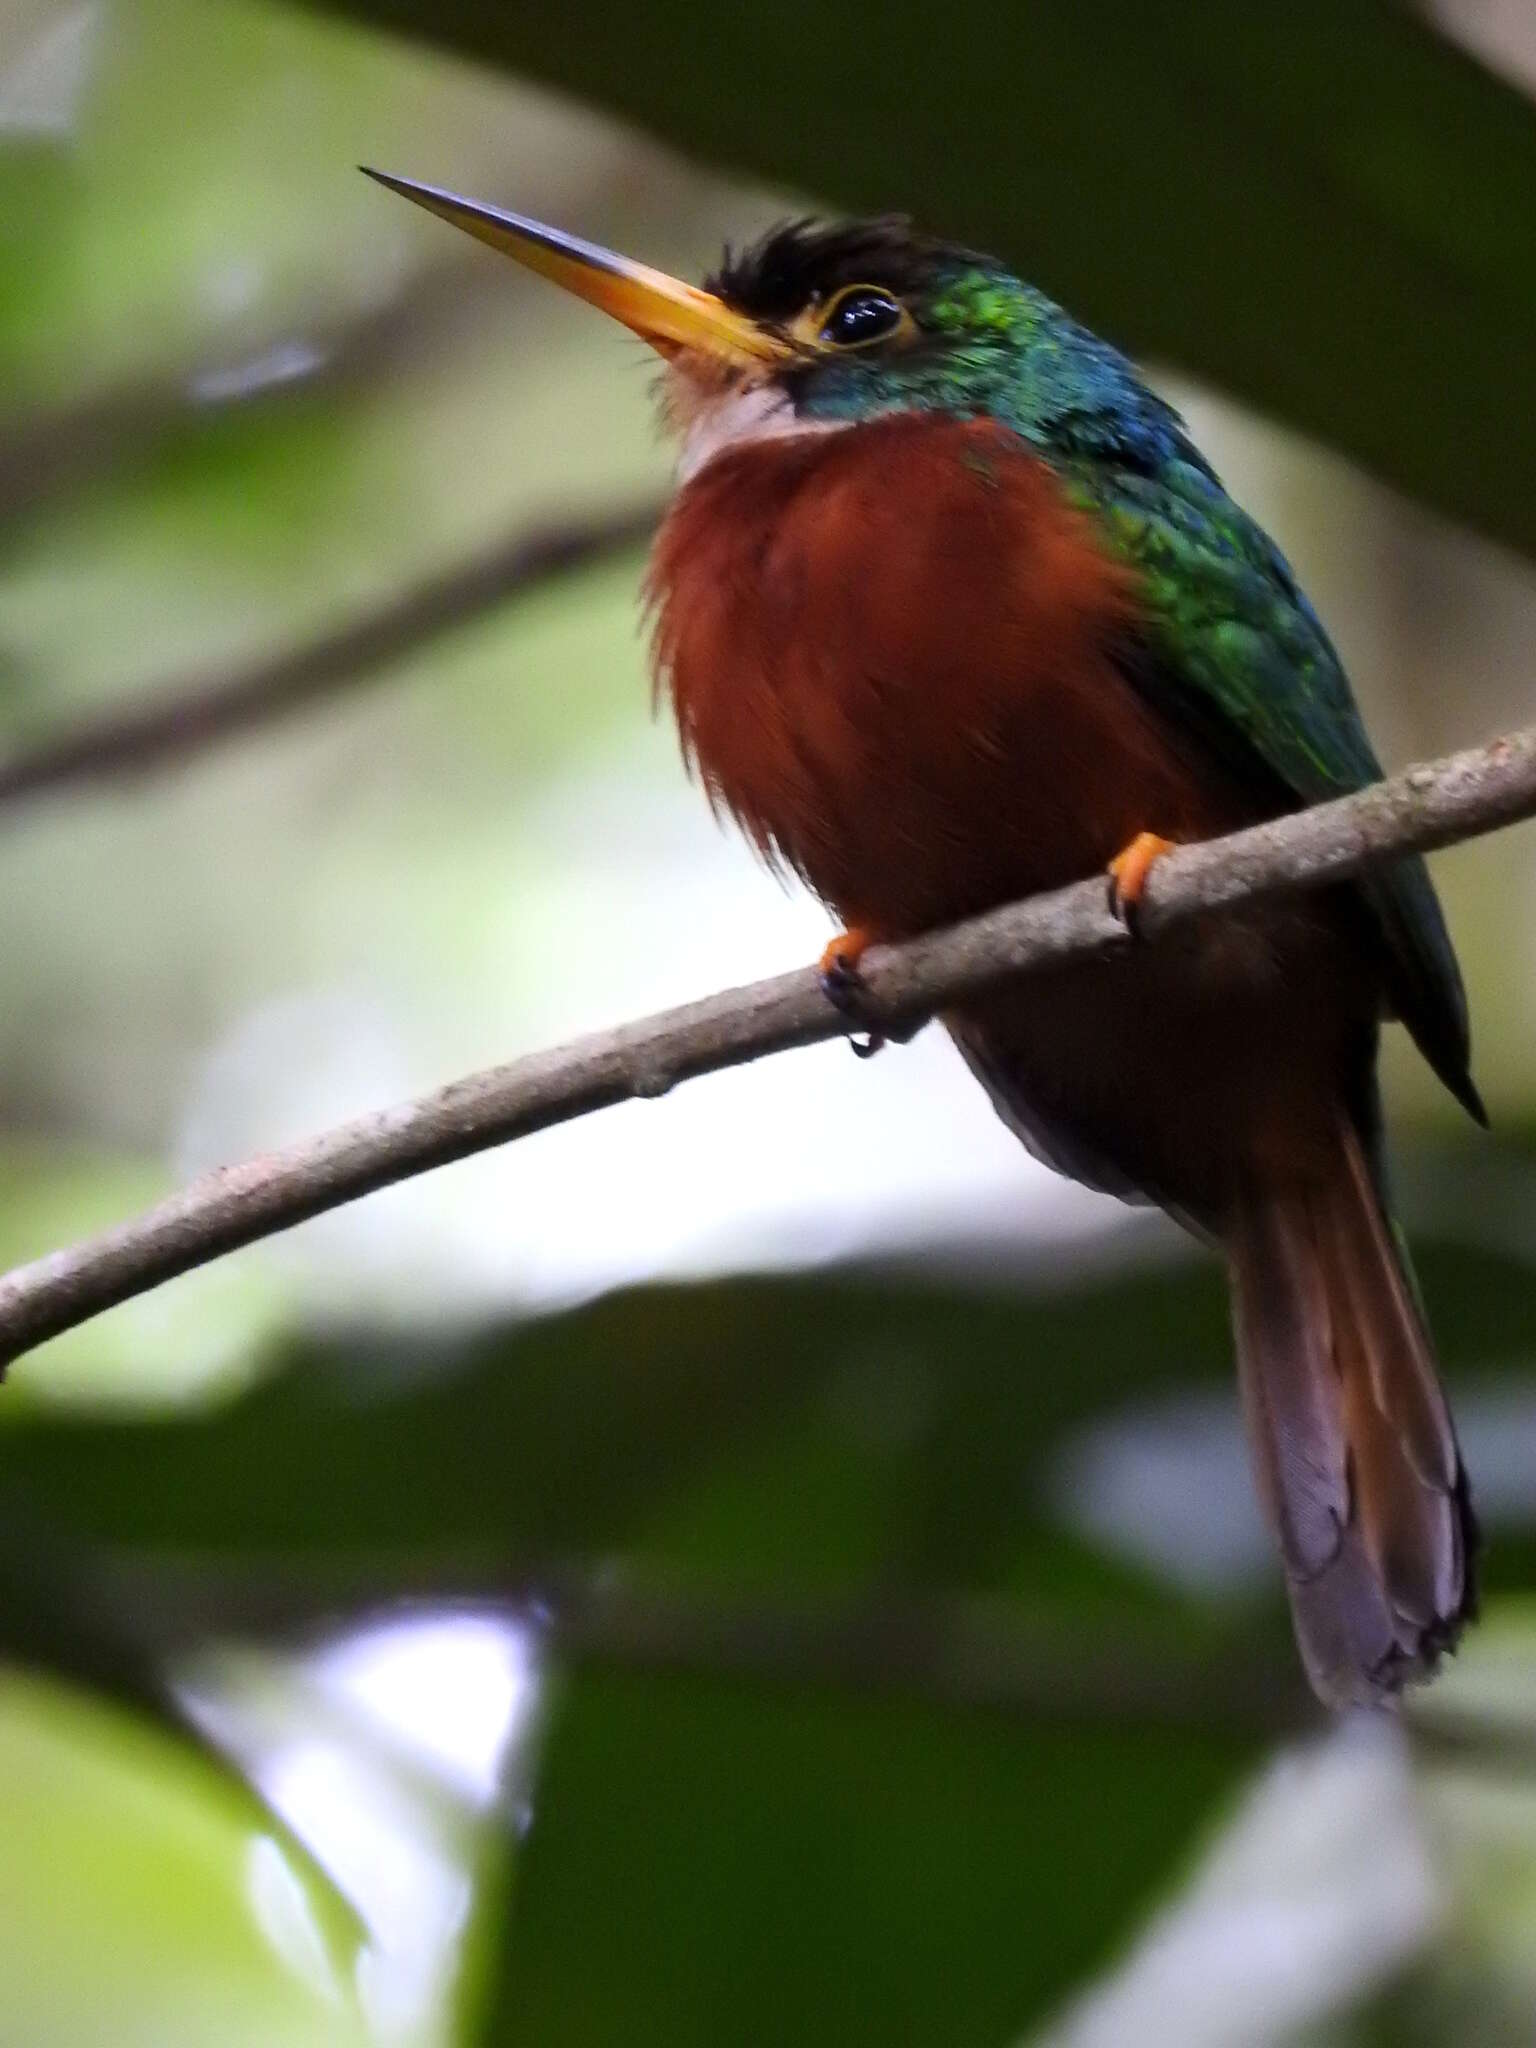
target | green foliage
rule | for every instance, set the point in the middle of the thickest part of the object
(684, 1421)
(709, 1860)
(753, 1816)
(882, 1855)
(140, 1906)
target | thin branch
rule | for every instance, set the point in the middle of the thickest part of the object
(158, 727)
(47, 450)
(1429, 806)
(978, 1651)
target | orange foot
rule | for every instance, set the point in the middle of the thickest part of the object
(1128, 873)
(840, 957)
(843, 986)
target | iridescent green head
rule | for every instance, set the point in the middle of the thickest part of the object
(892, 320)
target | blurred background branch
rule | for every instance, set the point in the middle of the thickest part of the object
(976, 1653)
(49, 450)
(158, 728)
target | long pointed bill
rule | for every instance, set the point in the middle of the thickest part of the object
(662, 310)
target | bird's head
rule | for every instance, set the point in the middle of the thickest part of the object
(822, 326)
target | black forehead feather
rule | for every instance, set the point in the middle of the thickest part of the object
(801, 261)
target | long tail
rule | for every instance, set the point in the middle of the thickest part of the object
(1353, 1445)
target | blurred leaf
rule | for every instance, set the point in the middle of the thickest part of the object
(137, 1904)
(810, 1431)
(790, 1431)
(66, 1612)
(118, 243)
(1475, 1733)
(1318, 207)
(711, 1864)
(719, 1478)
(466, 1448)
(724, 1842)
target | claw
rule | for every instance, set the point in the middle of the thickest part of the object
(1128, 873)
(839, 962)
(843, 987)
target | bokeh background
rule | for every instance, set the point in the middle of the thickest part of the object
(774, 1565)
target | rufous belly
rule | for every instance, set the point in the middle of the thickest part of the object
(897, 656)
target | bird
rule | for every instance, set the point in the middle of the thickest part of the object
(951, 609)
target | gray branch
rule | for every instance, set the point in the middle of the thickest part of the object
(49, 450)
(164, 725)
(1428, 806)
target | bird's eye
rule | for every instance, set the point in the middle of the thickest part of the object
(860, 314)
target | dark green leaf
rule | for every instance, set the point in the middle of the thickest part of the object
(712, 1864)
(816, 1432)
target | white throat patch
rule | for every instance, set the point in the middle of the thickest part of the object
(715, 421)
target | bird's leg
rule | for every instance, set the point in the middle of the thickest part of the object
(839, 962)
(843, 986)
(1128, 873)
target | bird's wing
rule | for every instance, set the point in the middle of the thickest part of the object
(1233, 649)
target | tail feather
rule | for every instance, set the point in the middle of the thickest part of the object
(1353, 1444)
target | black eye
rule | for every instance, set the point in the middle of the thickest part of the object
(861, 313)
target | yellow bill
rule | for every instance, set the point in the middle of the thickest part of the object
(662, 310)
